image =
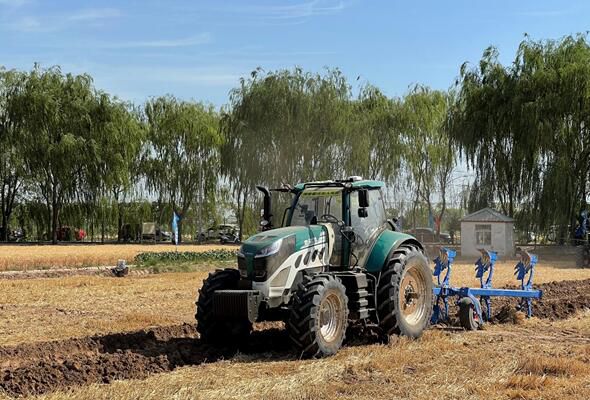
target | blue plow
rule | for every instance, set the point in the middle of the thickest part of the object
(473, 311)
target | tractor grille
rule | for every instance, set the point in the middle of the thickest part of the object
(236, 304)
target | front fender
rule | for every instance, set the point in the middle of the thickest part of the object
(385, 244)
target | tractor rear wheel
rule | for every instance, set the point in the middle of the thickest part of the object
(211, 328)
(319, 316)
(405, 298)
(467, 315)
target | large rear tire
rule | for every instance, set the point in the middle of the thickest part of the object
(216, 330)
(319, 316)
(405, 298)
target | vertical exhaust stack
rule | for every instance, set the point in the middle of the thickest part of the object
(266, 222)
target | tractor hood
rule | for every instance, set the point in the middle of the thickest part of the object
(304, 236)
(265, 253)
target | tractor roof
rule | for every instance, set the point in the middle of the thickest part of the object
(360, 184)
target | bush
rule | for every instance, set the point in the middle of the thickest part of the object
(169, 257)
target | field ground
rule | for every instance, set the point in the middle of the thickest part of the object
(22, 257)
(64, 338)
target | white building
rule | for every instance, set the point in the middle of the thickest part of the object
(487, 229)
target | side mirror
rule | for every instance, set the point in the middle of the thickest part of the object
(363, 212)
(363, 198)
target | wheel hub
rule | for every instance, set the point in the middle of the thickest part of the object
(412, 297)
(331, 309)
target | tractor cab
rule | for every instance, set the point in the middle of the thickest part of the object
(351, 210)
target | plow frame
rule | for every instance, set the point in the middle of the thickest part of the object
(484, 270)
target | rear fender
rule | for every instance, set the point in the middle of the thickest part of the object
(385, 244)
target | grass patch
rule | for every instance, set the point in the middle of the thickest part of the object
(183, 261)
(194, 266)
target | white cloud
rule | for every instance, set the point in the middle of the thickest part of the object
(297, 10)
(51, 23)
(94, 14)
(162, 43)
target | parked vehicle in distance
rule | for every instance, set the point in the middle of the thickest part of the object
(428, 235)
(150, 231)
(68, 234)
(226, 238)
(225, 233)
(17, 235)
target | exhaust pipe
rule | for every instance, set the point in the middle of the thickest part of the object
(266, 222)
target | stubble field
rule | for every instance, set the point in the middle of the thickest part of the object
(22, 257)
(98, 337)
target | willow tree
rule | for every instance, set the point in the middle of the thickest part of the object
(284, 127)
(524, 128)
(12, 173)
(182, 159)
(429, 156)
(55, 117)
(558, 73)
(115, 147)
(375, 144)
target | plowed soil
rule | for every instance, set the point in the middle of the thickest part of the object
(43, 367)
(560, 300)
(39, 368)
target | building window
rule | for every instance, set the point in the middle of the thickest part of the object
(483, 235)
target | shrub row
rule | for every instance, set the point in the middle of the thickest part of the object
(185, 256)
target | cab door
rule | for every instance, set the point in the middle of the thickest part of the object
(366, 229)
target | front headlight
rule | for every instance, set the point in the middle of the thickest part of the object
(270, 250)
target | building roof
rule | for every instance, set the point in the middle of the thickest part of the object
(486, 215)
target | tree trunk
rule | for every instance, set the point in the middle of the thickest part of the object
(4, 231)
(179, 230)
(54, 222)
(119, 223)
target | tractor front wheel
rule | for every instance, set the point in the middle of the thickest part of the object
(405, 298)
(213, 329)
(319, 316)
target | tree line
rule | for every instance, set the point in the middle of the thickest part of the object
(73, 154)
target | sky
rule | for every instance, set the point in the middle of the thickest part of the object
(200, 49)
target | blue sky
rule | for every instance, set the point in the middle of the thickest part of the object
(200, 49)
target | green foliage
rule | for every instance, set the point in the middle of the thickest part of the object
(524, 128)
(168, 257)
(183, 153)
(73, 155)
(429, 156)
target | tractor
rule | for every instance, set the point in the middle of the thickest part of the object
(335, 260)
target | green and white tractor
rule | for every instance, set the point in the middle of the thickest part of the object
(336, 260)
